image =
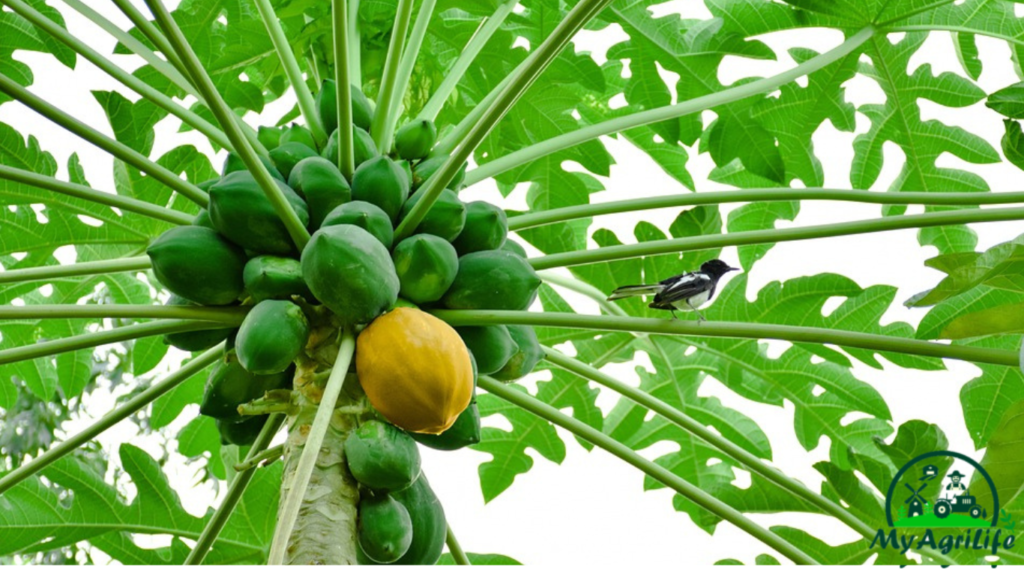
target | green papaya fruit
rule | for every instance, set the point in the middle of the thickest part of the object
(242, 433)
(416, 139)
(274, 277)
(287, 155)
(327, 105)
(243, 213)
(269, 136)
(382, 457)
(446, 217)
(205, 184)
(492, 280)
(514, 247)
(426, 266)
(429, 526)
(233, 163)
(298, 133)
(202, 218)
(229, 385)
(464, 432)
(492, 346)
(486, 228)
(385, 528)
(198, 339)
(407, 172)
(320, 182)
(363, 147)
(528, 355)
(366, 216)
(198, 264)
(350, 272)
(271, 337)
(380, 181)
(427, 167)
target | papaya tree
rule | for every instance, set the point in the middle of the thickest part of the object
(334, 304)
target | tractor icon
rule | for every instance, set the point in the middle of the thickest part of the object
(962, 503)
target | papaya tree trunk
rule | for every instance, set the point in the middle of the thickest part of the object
(325, 530)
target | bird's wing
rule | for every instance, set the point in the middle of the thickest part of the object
(685, 286)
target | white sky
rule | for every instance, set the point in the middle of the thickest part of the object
(592, 509)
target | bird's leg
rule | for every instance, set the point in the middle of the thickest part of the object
(673, 311)
(697, 312)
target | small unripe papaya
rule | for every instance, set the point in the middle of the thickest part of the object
(198, 339)
(382, 457)
(300, 134)
(350, 272)
(230, 385)
(243, 213)
(486, 228)
(363, 147)
(406, 171)
(385, 528)
(429, 525)
(426, 266)
(269, 136)
(271, 337)
(527, 356)
(380, 181)
(416, 139)
(274, 277)
(492, 280)
(287, 155)
(202, 218)
(242, 433)
(327, 105)
(492, 346)
(205, 184)
(514, 247)
(198, 264)
(366, 216)
(465, 432)
(321, 184)
(233, 163)
(427, 167)
(446, 217)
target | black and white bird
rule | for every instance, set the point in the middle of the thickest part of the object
(688, 290)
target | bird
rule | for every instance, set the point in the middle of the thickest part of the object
(687, 290)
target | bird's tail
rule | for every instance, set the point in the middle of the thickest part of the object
(637, 290)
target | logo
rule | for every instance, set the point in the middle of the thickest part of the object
(930, 503)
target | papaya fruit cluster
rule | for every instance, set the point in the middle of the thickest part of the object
(400, 519)
(417, 372)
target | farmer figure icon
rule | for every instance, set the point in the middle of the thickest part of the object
(955, 487)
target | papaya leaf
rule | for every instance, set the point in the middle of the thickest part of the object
(35, 520)
(508, 448)
(998, 267)
(987, 398)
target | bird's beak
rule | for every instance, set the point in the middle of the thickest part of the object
(733, 269)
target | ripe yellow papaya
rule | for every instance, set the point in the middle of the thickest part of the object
(415, 370)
